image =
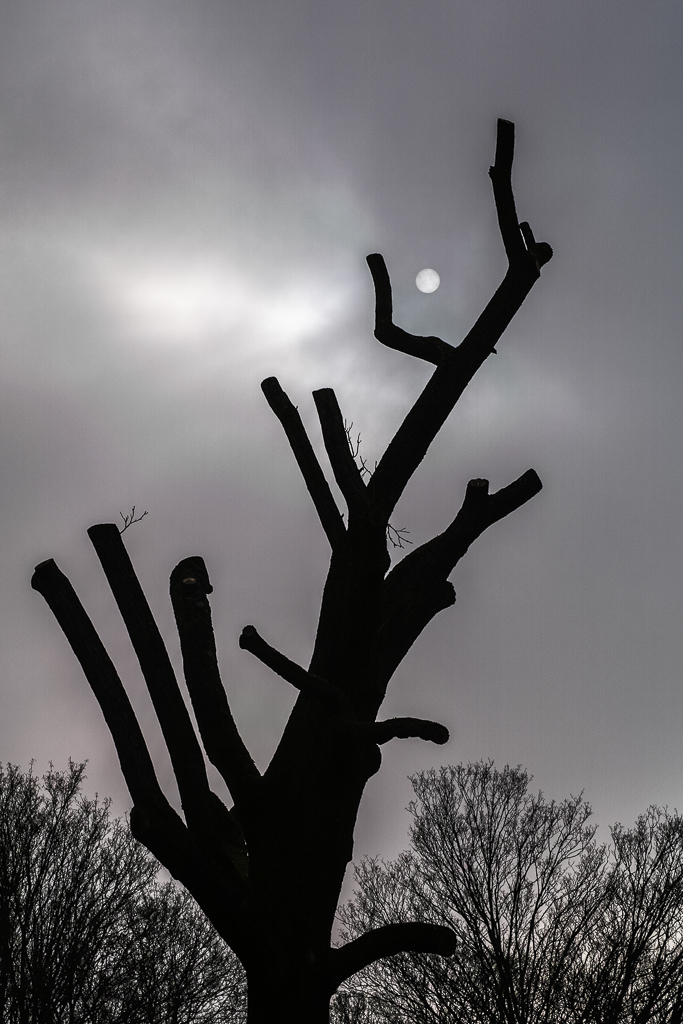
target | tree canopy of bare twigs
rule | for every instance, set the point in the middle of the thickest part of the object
(87, 934)
(550, 925)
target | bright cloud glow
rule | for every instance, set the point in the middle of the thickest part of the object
(175, 304)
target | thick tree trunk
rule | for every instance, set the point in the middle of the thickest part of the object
(276, 1000)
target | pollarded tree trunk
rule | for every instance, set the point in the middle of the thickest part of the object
(268, 872)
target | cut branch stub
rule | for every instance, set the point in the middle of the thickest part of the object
(314, 478)
(518, 239)
(327, 693)
(136, 763)
(404, 937)
(431, 349)
(186, 755)
(408, 728)
(501, 178)
(224, 746)
(417, 588)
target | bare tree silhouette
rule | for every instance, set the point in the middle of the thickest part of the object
(268, 872)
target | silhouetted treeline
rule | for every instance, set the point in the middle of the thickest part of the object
(87, 934)
(551, 925)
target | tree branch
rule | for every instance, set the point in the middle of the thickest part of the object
(501, 178)
(186, 755)
(408, 728)
(314, 478)
(479, 511)
(436, 559)
(416, 589)
(432, 349)
(220, 890)
(421, 425)
(224, 896)
(153, 820)
(324, 691)
(344, 467)
(408, 937)
(223, 744)
(136, 763)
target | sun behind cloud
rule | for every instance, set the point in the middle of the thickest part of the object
(428, 280)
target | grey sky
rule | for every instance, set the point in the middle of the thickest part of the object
(187, 195)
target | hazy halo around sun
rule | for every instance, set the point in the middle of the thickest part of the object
(427, 280)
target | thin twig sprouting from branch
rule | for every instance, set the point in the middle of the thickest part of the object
(132, 518)
(355, 450)
(396, 537)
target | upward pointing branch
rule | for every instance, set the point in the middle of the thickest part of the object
(224, 746)
(432, 349)
(344, 467)
(501, 178)
(314, 478)
(416, 589)
(136, 764)
(186, 755)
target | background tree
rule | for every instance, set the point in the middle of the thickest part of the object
(550, 925)
(87, 935)
(268, 872)
(631, 964)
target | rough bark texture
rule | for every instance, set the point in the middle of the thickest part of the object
(268, 871)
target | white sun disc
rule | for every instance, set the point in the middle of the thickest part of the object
(427, 280)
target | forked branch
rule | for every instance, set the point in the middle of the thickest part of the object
(479, 511)
(153, 821)
(417, 588)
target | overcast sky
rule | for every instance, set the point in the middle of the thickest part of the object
(187, 196)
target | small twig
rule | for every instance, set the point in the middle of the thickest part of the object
(129, 520)
(346, 472)
(396, 537)
(354, 447)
